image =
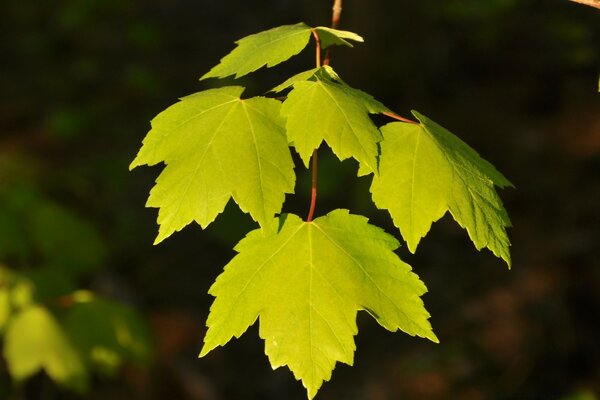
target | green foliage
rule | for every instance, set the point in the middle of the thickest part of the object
(88, 334)
(46, 323)
(29, 226)
(307, 280)
(108, 333)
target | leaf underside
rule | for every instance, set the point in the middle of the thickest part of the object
(425, 171)
(306, 282)
(217, 146)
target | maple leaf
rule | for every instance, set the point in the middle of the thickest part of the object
(217, 146)
(307, 281)
(425, 171)
(275, 46)
(325, 108)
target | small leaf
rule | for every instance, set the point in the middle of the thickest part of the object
(34, 340)
(329, 37)
(306, 282)
(425, 171)
(275, 46)
(217, 146)
(268, 48)
(324, 109)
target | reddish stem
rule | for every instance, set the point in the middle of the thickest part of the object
(335, 21)
(313, 193)
(318, 46)
(399, 118)
(337, 13)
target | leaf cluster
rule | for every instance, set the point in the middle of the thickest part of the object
(306, 280)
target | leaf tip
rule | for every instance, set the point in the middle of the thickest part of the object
(132, 166)
(207, 75)
(432, 336)
(205, 350)
(162, 235)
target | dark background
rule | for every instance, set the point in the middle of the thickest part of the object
(516, 79)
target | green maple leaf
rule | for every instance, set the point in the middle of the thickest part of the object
(275, 46)
(425, 171)
(307, 281)
(217, 146)
(34, 340)
(325, 108)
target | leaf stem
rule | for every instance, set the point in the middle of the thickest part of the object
(318, 46)
(335, 20)
(313, 192)
(393, 115)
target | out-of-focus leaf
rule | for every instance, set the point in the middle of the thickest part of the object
(33, 227)
(34, 340)
(109, 333)
(15, 292)
(50, 282)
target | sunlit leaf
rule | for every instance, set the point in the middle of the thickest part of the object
(306, 282)
(426, 171)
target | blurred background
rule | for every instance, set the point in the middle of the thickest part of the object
(85, 296)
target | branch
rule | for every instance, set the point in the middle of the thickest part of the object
(337, 14)
(591, 3)
(335, 21)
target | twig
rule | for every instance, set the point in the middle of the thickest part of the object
(591, 3)
(336, 16)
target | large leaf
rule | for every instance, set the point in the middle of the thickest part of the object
(34, 340)
(274, 46)
(307, 282)
(322, 108)
(425, 171)
(217, 146)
